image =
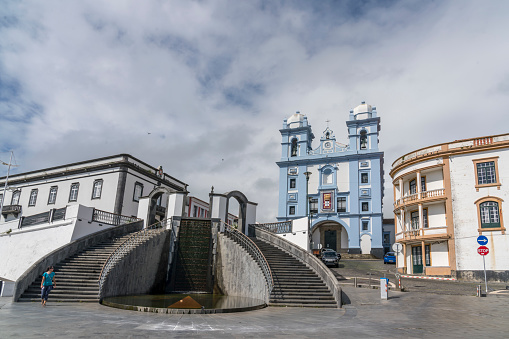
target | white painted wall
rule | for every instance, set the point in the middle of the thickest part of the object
(439, 255)
(418, 165)
(436, 215)
(434, 179)
(299, 236)
(22, 248)
(465, 214)
(343, 179)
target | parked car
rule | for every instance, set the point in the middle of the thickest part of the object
(330, 250)
(330, 258)
(389, 258)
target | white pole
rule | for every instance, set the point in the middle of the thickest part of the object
(485, 281)
(5, 186)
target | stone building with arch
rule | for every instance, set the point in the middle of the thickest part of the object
(445, 196)
(339, 186)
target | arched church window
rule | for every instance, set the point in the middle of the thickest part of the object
(364, 140)
(294, 147)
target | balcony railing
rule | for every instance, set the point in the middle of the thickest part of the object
(43, 218)
(11, 209)
(417, 197)
(111, 218)
(277, 227)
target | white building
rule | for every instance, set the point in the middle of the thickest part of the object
(113, 184)
(445, 196)
(197, 208)
(48, 208)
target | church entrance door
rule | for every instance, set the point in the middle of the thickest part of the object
(330, 240)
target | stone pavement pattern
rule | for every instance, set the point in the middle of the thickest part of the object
(405, 315)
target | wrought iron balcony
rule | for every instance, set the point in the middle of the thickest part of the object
(11, 209)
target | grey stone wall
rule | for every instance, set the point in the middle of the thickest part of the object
(237, 273)
(478, 275)
(141, 271)
(68, 250)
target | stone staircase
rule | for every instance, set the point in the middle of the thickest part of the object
(76, 277)
(295, 284)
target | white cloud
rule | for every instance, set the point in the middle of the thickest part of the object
(212, 81)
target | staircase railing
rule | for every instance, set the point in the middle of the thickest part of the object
(277, 227)
(126, 246)
(112, 218)
(252, 249)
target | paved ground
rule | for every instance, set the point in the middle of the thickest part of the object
(404, 315)
(445, 309)
(361, 268)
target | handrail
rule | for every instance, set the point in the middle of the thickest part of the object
(252, 249)
(277, 227)
(112, 218)
(124, 248)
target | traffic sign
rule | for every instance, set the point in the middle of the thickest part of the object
(482, 240)
(397, 247)
(483, 250)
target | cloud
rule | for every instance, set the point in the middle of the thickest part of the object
(212, 81)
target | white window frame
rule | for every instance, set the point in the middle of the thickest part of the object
(53, 189)
(33, 197)
(74, 191)
(97, 189)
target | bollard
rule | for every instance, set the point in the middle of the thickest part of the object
(479, 291)
(355, 282)
(399, 283)
(384, 291)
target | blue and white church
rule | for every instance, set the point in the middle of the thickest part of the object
(339, 186)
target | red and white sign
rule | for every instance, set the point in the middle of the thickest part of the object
(483, 250)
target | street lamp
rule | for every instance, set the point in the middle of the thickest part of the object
(307, 174)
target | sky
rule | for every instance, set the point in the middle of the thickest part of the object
(202, 87)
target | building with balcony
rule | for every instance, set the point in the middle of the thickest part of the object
(445, 196)
(113, 184)
(339, 186)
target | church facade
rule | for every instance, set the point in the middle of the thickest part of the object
(338, 187)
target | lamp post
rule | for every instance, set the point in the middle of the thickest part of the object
(307, 174)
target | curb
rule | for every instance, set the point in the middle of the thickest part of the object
(430, 278)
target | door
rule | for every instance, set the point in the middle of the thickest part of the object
(417, 259)
(330, 240)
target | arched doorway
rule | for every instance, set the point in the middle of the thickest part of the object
(330, 234)
(242, 200)
(158, 207)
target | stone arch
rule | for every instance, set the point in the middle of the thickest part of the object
(323, 229)
(242, 200)
(153, 197)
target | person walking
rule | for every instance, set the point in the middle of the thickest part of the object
(47, 284)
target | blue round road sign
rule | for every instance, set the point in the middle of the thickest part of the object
(482, 240)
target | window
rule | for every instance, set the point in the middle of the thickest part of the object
(365, 206)
(293, 183)
(97, 189)
(413, 185)
(427, 255)
(423, 184)
(486, 172)
(414, 216)
(490, 215)
(33, 197)
(313, 205)
(364, 140)
(341, 204)
(413, 188)
(365, 225)
(15, 197)
(425, 218)
(364, 178)
(195, 211)
(292, 210)
(138, 191)
(73, 194)
(294, 147)
(52, 195)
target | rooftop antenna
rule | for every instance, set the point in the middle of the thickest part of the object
(6, 179)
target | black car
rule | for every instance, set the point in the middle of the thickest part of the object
(330, 258)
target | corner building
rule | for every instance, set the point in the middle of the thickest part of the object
(345, 186)
(445, 196)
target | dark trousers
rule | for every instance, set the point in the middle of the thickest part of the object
(45, 291)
